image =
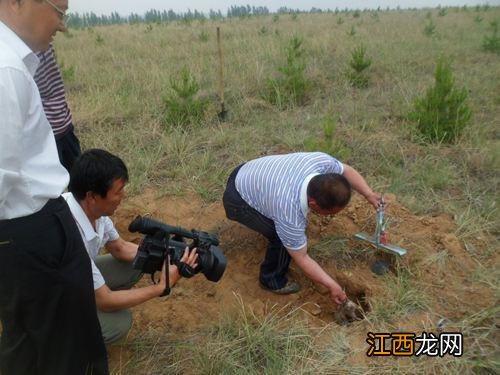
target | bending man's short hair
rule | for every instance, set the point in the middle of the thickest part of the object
(329, 190)
(95, 170)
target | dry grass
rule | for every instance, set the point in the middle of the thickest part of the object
(116, 93)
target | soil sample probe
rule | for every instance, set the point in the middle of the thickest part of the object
(380, 240)
(223, 112)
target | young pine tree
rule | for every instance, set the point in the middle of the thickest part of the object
(359, 63)
(442, 113)
(182, 105)
(291, 87)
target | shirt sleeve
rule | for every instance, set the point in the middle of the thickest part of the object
(97, 276)
(333, 165)
(292, 236)
(15, 96)
(110, 233)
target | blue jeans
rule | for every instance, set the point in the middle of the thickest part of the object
(277, 260)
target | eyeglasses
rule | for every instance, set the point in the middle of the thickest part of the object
(62, 14)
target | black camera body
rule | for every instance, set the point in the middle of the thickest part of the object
(162, 240)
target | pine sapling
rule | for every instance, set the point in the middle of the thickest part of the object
(491, 43)
(442, 113)
(182, 104)
(360, 62)
(430, 28)
(292, 85)
(329, 142)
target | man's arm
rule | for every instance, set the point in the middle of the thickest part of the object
(360, 185)
(108, 300)
(122, 250)
(314, 271)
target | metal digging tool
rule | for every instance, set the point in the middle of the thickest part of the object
(379, 239)
(223, 112)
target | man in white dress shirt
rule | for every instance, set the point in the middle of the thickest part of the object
(47, 304)
(96, 189)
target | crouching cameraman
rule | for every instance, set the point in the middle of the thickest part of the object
(96, 189)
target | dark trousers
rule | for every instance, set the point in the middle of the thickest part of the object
(47, 301)
(118, 276)
(277, 259)
(68, 148)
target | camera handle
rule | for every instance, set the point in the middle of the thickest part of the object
(166, 292)
(161, 237)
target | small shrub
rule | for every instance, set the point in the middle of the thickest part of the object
(276, 18)
(442, 12)
(442, 114)
(263, 31)
(182, 104)
(291, 88)
(295, 17)
(430, 28)
(99, 40)
(352, 31)
(359, 63)
(478, 19)
(340, 21)
(203, 36)
(330, 142)
(148, 28)
(492, 43)
(356, 14)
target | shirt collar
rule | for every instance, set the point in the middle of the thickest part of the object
(9, 37)
(304, 206)
(80, 217)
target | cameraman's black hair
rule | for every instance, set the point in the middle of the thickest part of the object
(329, 190)
(95, 170)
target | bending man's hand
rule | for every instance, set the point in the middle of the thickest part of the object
(337, 294)
(374, 199)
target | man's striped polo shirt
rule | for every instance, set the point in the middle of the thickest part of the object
(50, 84)
(276, 186)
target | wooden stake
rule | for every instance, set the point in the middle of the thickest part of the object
(223, 112)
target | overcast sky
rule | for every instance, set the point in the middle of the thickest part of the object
(125, 7)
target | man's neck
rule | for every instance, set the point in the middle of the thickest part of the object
(7, 20)
(88, 212)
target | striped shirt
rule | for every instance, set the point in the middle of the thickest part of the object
(276, 186)
(50, 84)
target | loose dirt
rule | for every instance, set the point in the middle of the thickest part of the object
(196, 302)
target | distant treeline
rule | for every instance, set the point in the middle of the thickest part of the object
(91, 19)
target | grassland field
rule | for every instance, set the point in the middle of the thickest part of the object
(117, 76)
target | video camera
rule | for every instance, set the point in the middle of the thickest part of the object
(162, 240)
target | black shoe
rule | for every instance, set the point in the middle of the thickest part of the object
(289, 288)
